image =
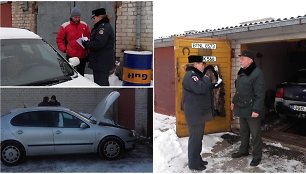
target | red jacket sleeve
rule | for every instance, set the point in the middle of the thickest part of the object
(87, 32)
(60, 39)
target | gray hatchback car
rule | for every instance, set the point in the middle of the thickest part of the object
(58, 130)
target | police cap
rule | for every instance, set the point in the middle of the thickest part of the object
(99, 11)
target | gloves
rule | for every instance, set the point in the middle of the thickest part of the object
(85, 44)
(216, 85)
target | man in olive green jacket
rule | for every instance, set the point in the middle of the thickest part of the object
(248, 105)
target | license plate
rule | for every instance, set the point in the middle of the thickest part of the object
(298, 108)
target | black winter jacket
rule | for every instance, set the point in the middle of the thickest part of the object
(101, 46)
(196, 97)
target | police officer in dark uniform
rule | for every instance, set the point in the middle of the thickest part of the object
(101, 47)
(248, 105)
(197, 107)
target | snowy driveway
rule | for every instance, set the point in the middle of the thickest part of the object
(170, 153)
(138, 160)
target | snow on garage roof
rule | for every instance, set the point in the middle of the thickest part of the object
(270, 23)
(17, 33)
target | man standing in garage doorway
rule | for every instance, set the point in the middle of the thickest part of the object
(248, 105)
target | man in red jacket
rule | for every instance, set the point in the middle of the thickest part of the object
(67, 35)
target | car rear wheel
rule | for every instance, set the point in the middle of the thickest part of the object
(12, 153)
(110, 148)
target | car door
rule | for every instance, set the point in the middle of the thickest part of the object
(69, 137)
(34, 130)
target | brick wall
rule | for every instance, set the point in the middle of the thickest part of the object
(24, 14)
(126, 27)
(235, 66)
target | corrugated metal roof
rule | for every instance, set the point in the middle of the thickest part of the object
(274, 23)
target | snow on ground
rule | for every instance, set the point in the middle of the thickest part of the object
(170, 153)
(277, 145)
(138, 160)
(113, 79)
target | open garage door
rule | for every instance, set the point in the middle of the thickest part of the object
(218, 53)
(280, 62)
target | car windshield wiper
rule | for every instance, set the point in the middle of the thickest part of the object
(48, 82)
(65, 67)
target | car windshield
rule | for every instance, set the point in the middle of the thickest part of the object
(32, 62)
(88, 119)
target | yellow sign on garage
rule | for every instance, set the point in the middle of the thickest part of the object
(216, 52)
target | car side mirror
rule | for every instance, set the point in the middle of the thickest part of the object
(83, 126)
(74, 61)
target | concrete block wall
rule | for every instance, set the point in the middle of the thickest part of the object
(24, 15)
(77, 99)
(141, 111)
(126, 27)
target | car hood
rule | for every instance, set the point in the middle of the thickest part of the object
(101, 109)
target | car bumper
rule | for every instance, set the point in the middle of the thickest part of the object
(287, 111)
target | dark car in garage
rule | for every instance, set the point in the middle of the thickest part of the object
(290, 97)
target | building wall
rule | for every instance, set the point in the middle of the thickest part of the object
(24, 14)
(77, 99)
(126, 27)
(141, 113)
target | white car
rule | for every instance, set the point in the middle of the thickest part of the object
(27, 60)
(58, 130)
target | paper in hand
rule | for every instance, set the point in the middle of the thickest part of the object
(79, 40)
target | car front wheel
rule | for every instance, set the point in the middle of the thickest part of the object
(12, 153)
(110, 148)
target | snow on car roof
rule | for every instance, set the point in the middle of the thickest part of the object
(17, 33)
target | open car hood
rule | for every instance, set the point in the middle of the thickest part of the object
(101, 109)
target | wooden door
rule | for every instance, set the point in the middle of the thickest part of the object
(218, 53)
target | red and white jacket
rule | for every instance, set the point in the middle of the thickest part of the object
(71, 32)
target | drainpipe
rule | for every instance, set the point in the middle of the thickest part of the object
(138, 24)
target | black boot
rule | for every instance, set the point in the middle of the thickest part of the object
(255, 162)
(198, 168)
(204, 163)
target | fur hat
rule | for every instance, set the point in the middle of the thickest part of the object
(192, 59)
(75, 12)
(99, 11)
(248, 53)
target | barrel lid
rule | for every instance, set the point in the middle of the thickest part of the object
(138, 52)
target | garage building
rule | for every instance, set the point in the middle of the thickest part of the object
(280, 46)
